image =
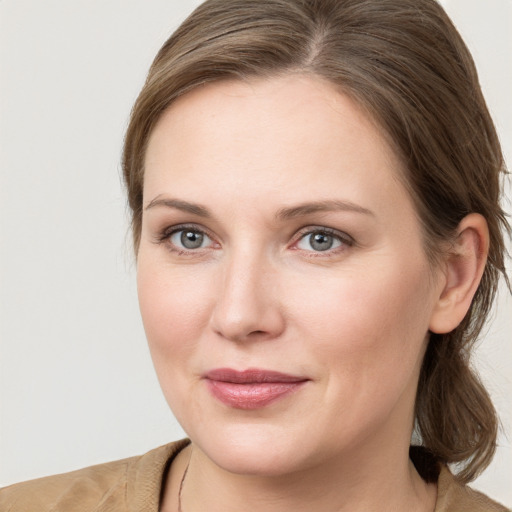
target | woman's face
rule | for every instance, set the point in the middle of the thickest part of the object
(278, 238)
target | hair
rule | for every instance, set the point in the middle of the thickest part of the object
(404, 62)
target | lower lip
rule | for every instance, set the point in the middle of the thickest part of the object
(254, 395)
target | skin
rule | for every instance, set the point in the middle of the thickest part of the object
(353, 319)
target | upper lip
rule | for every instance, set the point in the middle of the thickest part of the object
(251, 376)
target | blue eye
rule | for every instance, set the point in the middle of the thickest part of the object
(320, 241)
(190, 239)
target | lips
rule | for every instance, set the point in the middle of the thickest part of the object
(252, 388)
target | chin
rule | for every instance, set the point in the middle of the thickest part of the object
(262, 450)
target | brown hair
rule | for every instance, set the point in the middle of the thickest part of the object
(405, 63)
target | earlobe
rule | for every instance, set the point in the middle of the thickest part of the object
(463, 267)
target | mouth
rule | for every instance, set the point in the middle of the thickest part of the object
(253, 388)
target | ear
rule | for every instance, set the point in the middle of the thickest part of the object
(461, 270)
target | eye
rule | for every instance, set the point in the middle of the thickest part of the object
(189, 239)
(321, 240)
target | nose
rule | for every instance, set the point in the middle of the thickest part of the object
(247, 305)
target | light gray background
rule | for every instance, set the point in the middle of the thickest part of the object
(76, 382)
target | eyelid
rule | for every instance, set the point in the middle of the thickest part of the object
(344, 238)
(165, 234)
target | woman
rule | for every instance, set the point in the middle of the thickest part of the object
(315, 193)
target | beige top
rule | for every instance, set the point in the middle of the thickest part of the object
(134, 484)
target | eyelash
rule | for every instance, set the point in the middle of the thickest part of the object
(344, 240)
(166, 235)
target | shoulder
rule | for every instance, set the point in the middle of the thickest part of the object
(101, 488)
(85, 487)
(453, 496)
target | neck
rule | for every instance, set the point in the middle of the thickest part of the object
(360, 482)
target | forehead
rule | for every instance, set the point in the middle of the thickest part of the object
(296, 131)
(302, 99)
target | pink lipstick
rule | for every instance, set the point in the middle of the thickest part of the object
(252, 388)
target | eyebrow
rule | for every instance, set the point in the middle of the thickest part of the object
(184, 206)
(283, 214)
(321, 206)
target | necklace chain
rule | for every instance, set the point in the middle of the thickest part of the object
(181, 487)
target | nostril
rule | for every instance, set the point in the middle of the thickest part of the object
(242, 315)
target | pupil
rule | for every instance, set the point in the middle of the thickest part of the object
(191, 239)
(321, 242)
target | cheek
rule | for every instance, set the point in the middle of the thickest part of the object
(175, 312)
(175, 307)
(393, 299)
(369, 326)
